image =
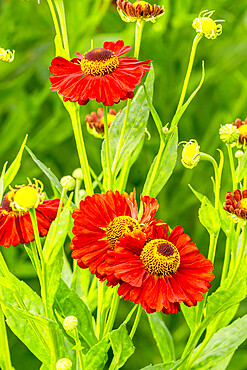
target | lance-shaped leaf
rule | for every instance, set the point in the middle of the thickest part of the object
(97, 355)
(122, 346)
(209, 217)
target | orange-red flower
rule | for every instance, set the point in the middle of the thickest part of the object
(99, 74)
(161, 271)
(242, 128)
(236, 203)
(15, 222)
(101, 220)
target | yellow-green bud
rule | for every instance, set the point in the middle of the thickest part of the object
(229, 133)
(206, 26)
(63, 364)
(239, 154)
(68, 182)
(190, 154)
(77, 174)
(70, 323)
(165, 130)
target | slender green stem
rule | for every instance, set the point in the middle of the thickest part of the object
(77, 188)
(43, 284)
(206, 157)
(55, 21)
(79, 352)
(155, 115)
(138, 37)
(75, 119)
(240, 256)
(61, 13)
(136, 322)
(100, 323)
(121, 139)
(232, 166)
(37, 265)
(156, 167)
(4, 345)
(107, 149)
(63, 195)
(227, 252)
(113, 312)
(189, 69)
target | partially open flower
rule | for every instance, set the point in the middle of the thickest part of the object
(6, 55)
(242, 129)
(139, 10)
(98, 75)
(15, 222)
(191, 154)
(95, 122)
(229, 133)
(236, 203)
(206, 26)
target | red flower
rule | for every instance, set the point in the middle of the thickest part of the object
(99, 74)
(15, 223)
(161, 271)
(236, 203)
(101, 220)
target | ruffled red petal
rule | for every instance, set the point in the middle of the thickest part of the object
(117, 47)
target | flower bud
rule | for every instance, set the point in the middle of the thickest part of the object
(77, 174)
(165, 130)
(206, 26)
(190, 154)
(6, 55)
(68, 182)
(229, 133)
(70, 323)
(63, 364)
(239, 154)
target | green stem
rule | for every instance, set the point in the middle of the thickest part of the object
(63, 195)
(189, 69)
(232, 166)
(100, 323)
(36, 260)
(55, 21)
(156, 167)
(227, 252)
(107, 148)
(79, 352)
(61, 13)
(155, 115)
(136, 322)
(138, 37)
(121, 139)
(75, 119)
(240, 255)
(206, 157)
(4, 345)
(77, 188)
(113, 312)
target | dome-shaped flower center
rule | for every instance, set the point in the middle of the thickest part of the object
(205, 25)
(27, 197)
(110, 118)
(99, 62)
(243, 130)
(119, 226)
(160, 257)
(242, 204)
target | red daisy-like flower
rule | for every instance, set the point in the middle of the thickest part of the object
(101, 220)
(161, 271)
(236, 203)
(99, 74)
(15, 222)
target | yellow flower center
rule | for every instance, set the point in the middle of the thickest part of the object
(26, 197)
(243, 130)
(119, 226)
(242, 204)
(205, 25)
(99, 62)
(110, 119)
(160, 257)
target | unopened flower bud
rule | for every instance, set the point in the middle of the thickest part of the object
(190, 154)
(6, 55)
(68, 182)
(229, 133)
(165, 130)
(239, 154)
(70, 323)
(63, 364)
(77, 174)
(206, 26)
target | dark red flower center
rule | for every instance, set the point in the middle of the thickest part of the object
(119, 226)
(99, 62)
(160, 257)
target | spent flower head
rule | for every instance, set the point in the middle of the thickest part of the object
(95, 122)
(6, 55)
(190, 154)
(236, 204)
(242, 129)
(140, 10)
(229, 133)
(206, 26)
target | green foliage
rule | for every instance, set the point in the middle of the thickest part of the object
(209, 217)
(122, 346)
(97, 355)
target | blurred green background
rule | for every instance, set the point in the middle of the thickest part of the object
(27, 106)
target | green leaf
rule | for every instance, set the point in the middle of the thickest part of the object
(209, 217)
(96, 357)
(59, 49)
(162, 337)
(190, 315)
(197, 194)
(166, 162)
(241, 170)
(223, 344)
(53, 251)
(1, 181)
(122, 346)
(137, 121)
(166, 366)
(14, 167)
(6, 283)
(68, 303)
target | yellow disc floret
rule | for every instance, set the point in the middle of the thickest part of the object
(160, 257)
(119, 226)
(99, 62)
(26, 196)
(242, 204)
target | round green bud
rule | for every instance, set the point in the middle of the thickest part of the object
(229, 133)
(70, 323)
(68, 182)
(63, 364)
(77, 174)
